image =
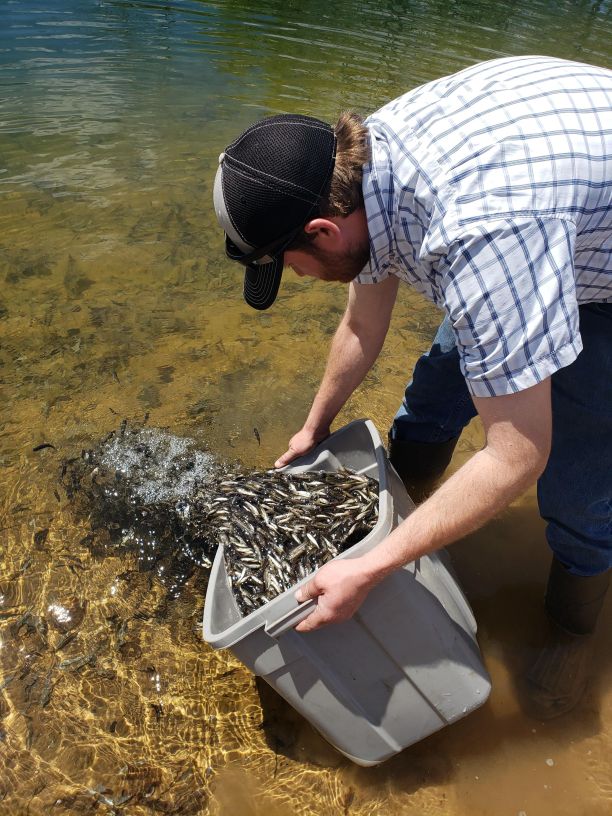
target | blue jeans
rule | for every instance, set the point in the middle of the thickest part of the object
(575, 490)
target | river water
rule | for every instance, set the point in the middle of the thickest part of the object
(117, 302)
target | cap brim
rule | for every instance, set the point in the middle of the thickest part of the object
(261, 283)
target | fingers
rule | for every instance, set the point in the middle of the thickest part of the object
(301, 443)
(312, 622)
(306, 592)
(287, 457)
(321, 616)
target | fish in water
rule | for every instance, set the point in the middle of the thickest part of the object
(173, 505)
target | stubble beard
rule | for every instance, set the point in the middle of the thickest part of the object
(346, 266)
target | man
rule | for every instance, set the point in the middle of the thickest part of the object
(489, 191)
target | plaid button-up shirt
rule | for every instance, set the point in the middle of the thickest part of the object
(490, 192)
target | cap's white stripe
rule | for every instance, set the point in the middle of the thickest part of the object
(223, 216)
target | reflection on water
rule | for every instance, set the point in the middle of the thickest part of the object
(116, 302)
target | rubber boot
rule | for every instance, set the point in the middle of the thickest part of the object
(557, 680)
(420, 464)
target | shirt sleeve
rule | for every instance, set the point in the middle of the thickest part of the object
(367, 276)
(510, 293)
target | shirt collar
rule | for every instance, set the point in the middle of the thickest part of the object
(379, 199)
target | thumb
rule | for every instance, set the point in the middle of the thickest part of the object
(285, 459)
(306, 592)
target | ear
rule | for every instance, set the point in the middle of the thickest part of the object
(326, 233)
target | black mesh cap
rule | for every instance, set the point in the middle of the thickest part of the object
(268, 185)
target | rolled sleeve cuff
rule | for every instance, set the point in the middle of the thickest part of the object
(366, 276)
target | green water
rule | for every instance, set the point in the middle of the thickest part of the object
(117, 301)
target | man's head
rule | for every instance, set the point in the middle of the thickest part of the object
(288, 191)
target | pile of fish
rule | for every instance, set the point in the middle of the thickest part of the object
(277, 528)
(146, 491)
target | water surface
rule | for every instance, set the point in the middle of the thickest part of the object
(116, 302)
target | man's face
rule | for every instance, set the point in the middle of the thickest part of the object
(329, 265)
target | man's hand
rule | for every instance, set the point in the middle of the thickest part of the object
(518, 428)
(339, 588)
(299, 444)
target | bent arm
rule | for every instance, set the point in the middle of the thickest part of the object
(518, 433)
(354, 349)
